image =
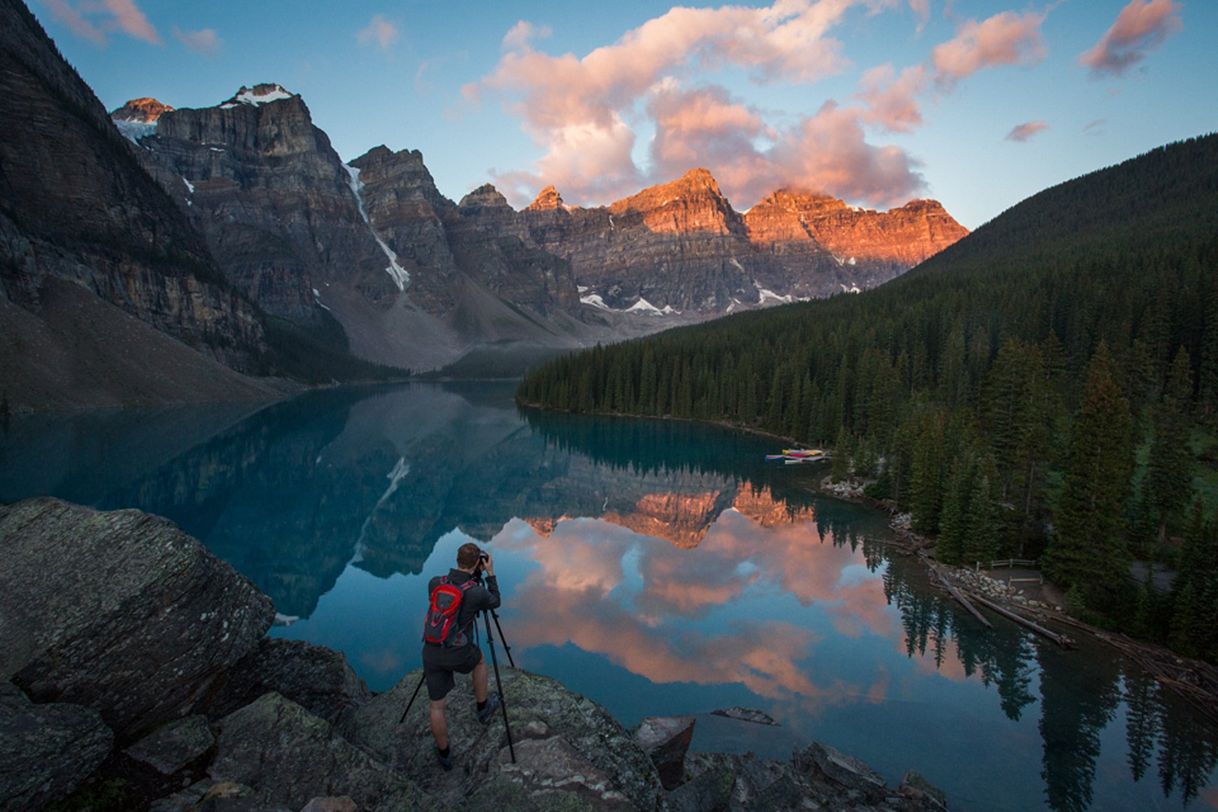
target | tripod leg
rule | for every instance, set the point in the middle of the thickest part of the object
(503, 639)
(499, 685)
(412, 698)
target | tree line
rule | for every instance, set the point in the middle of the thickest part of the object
(1032, 391)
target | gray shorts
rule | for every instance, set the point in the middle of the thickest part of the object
(439, 665)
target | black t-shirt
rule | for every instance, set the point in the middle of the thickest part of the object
(476, 598)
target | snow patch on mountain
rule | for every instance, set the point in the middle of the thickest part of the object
(401, 277)
(644, 306)
(133, 131)
(257, 95)
(595, 300)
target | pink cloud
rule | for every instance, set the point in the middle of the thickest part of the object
(204, 41)
(1022, 132)
(921, 9)
(1141, 26)
(583, 111)
(379, 32)
(95, 20)
(704, 127)
(1004, 39)
(522, 33)
(829, 152)
(892, 101)
(75, 21)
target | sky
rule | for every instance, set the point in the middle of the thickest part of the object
(976, 103)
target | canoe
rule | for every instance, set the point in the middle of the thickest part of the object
(802, 452)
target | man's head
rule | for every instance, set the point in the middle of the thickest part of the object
(467, 556)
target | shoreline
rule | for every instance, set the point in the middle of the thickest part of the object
(1194, 680)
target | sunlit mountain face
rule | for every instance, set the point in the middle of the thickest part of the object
(657, 567)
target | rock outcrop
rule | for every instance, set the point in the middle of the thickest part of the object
(46, 750)
(601, 761)
(665, 739)
(314, 677)
(289, 756)
(121, 612)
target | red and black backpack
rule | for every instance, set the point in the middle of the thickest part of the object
(440, 627)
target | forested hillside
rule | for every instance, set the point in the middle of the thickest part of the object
(1036, 389)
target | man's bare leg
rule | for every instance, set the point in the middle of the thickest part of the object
(439, 725)
(480, 682)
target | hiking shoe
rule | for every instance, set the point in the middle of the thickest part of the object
(445, 761)
(492, 705)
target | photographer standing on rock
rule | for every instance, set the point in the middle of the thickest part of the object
(449, 646)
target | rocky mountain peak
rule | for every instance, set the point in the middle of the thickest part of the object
(144, 110)
(692, 202)
(485, 195)
(923, 205)
(804, 201)
(700, 178)
(548, 200)
(262, 93)
(697, 188)
(901, 236)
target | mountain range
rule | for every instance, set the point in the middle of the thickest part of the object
(238, 231)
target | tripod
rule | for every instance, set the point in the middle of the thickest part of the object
(487, 616)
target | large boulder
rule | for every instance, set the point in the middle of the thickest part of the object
(119, 611)
(666, 739)
(46, 750)
(817, 777)
(547, 721)
(175, 745)
(315, 677)
(289, 757)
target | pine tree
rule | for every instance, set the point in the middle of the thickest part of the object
(843, 449)
(953, 521)
(1169, 470)
(1194, 613)
(926, 478)
(981, 525)
(1088, 550)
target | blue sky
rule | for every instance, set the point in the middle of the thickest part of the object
(876, 101)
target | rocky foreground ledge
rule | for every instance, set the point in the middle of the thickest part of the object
(135, 674)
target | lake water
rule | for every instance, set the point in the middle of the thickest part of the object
(659, 568)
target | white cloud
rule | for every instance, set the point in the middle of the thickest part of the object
(379, 32)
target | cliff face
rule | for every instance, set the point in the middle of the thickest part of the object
(901, 237)
(678, 245)
(273, 198)
(407, 210)
(76, 207)
(682, 246)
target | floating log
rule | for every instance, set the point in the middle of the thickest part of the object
(1061, 639)
(958, 595)
(963, 601)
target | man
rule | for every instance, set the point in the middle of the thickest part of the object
(461, 654)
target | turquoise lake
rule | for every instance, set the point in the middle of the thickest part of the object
(657, 567)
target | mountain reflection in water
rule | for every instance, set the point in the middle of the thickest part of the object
(658, 567)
